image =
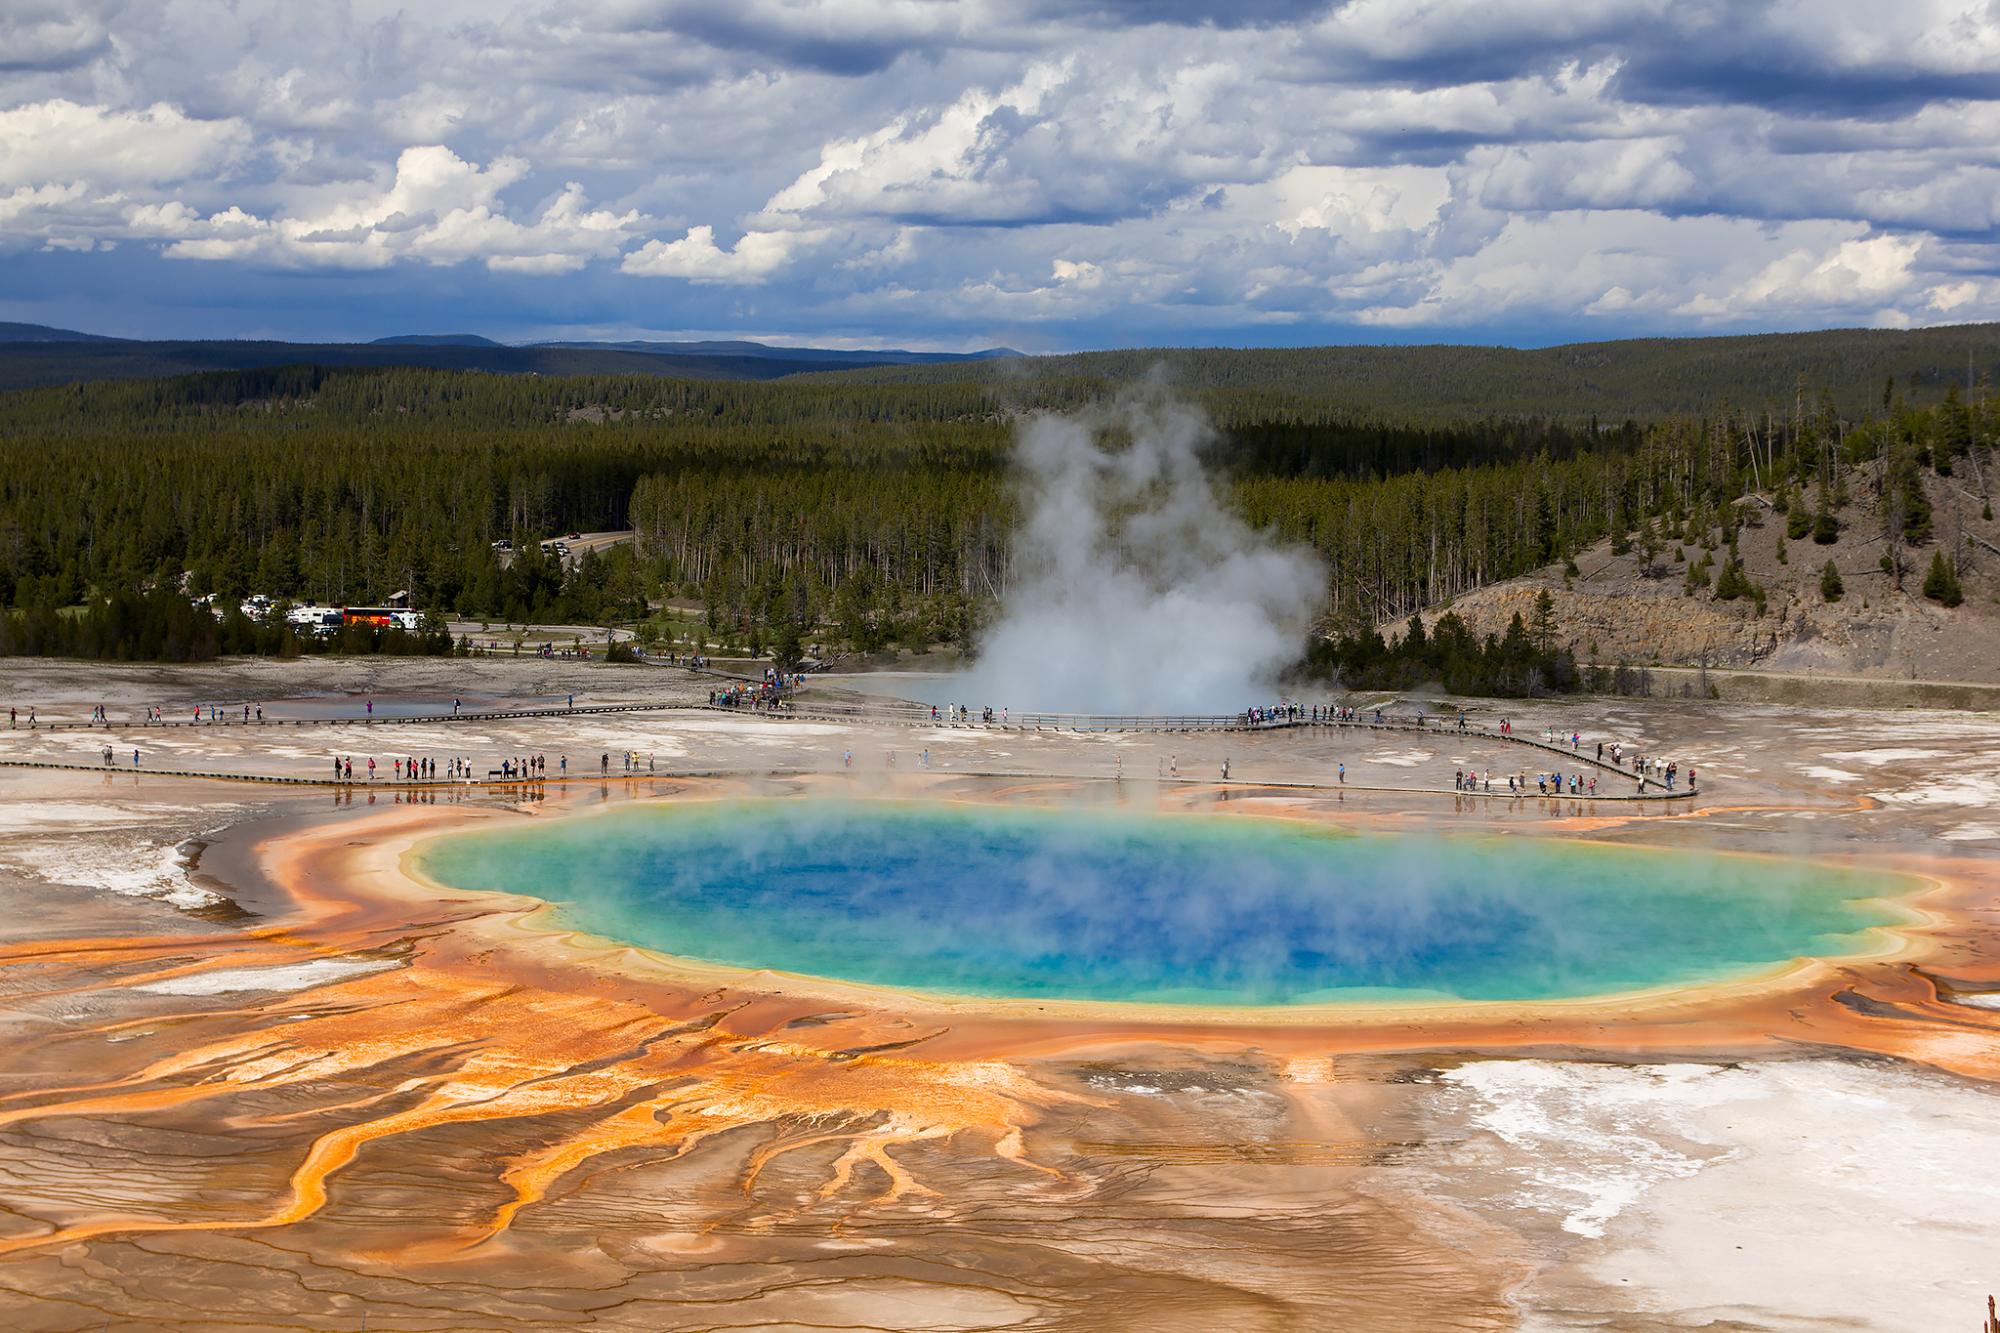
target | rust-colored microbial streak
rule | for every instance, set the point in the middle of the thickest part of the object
(492, 1052)
(503, 1094)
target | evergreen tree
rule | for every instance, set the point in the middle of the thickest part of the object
(1916, 508)
(1544, 631)
(787, 645)
(1798, 521)
(1732, 583)
(1941, 583)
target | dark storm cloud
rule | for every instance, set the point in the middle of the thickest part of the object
(833, 37)
(1177, 13)
(1789, 82)
(47, 37)
(1766, 53)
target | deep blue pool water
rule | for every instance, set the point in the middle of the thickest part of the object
(993, 901)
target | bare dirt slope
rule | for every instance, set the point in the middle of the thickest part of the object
(1618, 608)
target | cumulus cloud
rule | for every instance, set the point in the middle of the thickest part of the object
(1854, 274)
(438, 208)
(1034, 172)
(1615, 173)
(696, 257)
(1054, 146)
(62, 140)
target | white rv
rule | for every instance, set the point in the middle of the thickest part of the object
(314, 619)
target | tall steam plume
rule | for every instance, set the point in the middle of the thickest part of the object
(1135, 590)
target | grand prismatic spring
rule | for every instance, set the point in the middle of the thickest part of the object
(989, 901)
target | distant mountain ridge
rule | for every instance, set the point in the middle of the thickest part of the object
(42, 333)
(1641, 378)
(891, 356)
(435, 340)
(33, 355)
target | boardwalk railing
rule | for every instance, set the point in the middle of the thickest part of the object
(534, 786)
(890, 712)
(1127, 722)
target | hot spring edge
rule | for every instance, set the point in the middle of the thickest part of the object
(1110, 906)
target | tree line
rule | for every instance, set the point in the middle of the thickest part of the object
(852, 514)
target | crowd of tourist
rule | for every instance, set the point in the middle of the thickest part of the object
(766, 697)
(771, 694)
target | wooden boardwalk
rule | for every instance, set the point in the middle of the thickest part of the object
(889, 713)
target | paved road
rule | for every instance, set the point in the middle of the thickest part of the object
(487, 634)
(596, 541)
(578, 545)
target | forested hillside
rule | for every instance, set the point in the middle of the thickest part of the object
(27, 363)
(1643, 378)
(856, 514)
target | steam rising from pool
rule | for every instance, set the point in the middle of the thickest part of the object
(991, 901)
(1135, 590)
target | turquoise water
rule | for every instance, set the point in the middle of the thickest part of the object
(995, 901)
